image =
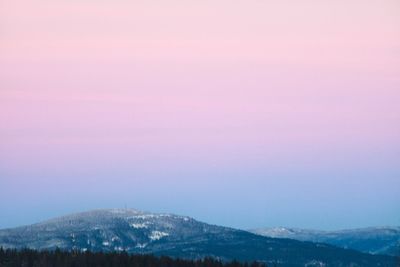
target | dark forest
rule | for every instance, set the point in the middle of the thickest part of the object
(59, 258)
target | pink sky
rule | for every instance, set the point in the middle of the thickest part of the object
(165, 91)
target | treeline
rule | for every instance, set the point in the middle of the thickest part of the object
(59, 258)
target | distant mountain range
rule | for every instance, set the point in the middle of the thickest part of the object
(178, 236)
(374, 240)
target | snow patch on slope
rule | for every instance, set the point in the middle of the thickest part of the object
(157, 235)
(139, 225)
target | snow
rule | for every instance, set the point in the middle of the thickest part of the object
(106, 243)
(315, 263)
(143, 216)
(149, 216)
(139, 245)
(139, 225)
(157, 235)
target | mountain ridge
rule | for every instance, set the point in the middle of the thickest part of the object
(374, 240)
(173, 235)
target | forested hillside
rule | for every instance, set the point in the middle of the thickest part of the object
(58, 258)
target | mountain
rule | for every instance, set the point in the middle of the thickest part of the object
(177, 236)
(374, 240)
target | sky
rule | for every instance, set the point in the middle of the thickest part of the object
(243, 113)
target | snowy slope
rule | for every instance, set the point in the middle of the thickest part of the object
(374, 240)
(178, 236)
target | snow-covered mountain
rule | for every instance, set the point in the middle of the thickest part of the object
(178, 236)
(374, 240)
(106, 230)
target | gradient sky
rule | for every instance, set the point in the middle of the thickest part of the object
(245, 113)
